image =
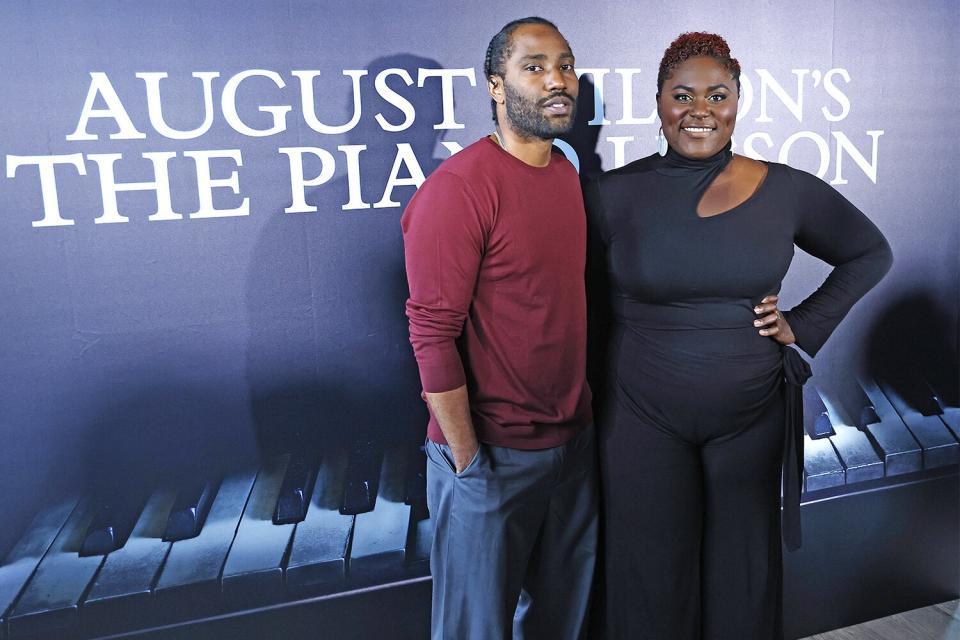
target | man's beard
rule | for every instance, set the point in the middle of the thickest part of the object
(528, 120)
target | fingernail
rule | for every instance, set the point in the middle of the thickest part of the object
(756, 323)
(756, 309)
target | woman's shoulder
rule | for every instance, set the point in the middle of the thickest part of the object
(792, 173)
(787, 177)
(806, 191)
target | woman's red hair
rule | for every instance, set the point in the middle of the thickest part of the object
(697, 44)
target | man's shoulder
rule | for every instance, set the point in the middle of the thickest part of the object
(468, 164)
(459, 178)
(484, 160)
(480, 170)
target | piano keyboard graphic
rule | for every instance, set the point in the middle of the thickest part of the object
(876, 434)
(300, 526)
(309, 524)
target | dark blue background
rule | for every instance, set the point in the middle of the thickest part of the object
(151, 349)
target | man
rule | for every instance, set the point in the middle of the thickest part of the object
(495, 246)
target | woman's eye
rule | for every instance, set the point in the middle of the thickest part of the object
(717, 97)
(682, 98)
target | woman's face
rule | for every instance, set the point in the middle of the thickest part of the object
(698, 107)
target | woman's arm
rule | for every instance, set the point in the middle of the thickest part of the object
(829, 227)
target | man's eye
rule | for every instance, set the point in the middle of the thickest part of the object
(533, 67)
(567, 67)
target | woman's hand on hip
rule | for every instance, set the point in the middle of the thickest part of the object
(771, 322)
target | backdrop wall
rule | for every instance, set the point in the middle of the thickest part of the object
(252, 294)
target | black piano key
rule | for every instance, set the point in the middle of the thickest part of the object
(920, 394)
(190, 510)
(296, 489)
(868, 415)
(815, 416)
(20, 563)
(318, 553)
(899, 449)
(363, 472)
(48, 605)
(939, 446)
(822, 468)
(113, 523)
(416, 487)
(853, 447)
(380, 536)
(189, 583)
(253, 573)
(915, 392)
(949, 413)
(120, 596)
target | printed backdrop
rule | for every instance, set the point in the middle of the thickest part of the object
(200, 253)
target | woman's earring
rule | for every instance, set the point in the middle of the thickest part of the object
(661, 143)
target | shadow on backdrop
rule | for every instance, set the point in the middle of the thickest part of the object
(584, 137)
(329, 360)
(159, 436)
(914, 341)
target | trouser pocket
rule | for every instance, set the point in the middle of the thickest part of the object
(446, 456)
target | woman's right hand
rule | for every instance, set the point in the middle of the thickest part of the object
(771, 322)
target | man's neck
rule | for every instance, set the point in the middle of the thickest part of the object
(531, 150)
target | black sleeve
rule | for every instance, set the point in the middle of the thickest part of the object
(829, 227)
(598, 290)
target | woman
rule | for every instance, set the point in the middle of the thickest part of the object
(688, 250)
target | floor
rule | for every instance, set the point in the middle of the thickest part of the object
(939, 622)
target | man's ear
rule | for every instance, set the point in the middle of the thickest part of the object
(495, 88)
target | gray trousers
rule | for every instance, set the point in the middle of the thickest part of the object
(515, 539)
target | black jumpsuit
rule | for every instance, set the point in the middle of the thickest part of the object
(691, 423)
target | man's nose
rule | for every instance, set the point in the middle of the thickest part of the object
(555, 79)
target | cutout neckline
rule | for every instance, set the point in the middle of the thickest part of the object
(737, 205)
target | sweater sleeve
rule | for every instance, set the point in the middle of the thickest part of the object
(598, 289)
(443, 239)
(830, 228)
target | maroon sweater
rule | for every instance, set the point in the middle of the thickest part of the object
(495, 253)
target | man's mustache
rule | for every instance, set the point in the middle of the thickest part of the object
(554, 96)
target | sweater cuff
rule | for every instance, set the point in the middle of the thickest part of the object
(810, 344)
(439, 377)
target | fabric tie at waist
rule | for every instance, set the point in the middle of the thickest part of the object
(796, 372)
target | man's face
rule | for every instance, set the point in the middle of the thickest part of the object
(540, 84)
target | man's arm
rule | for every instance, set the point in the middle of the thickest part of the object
(452, 411)
(444, 238)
